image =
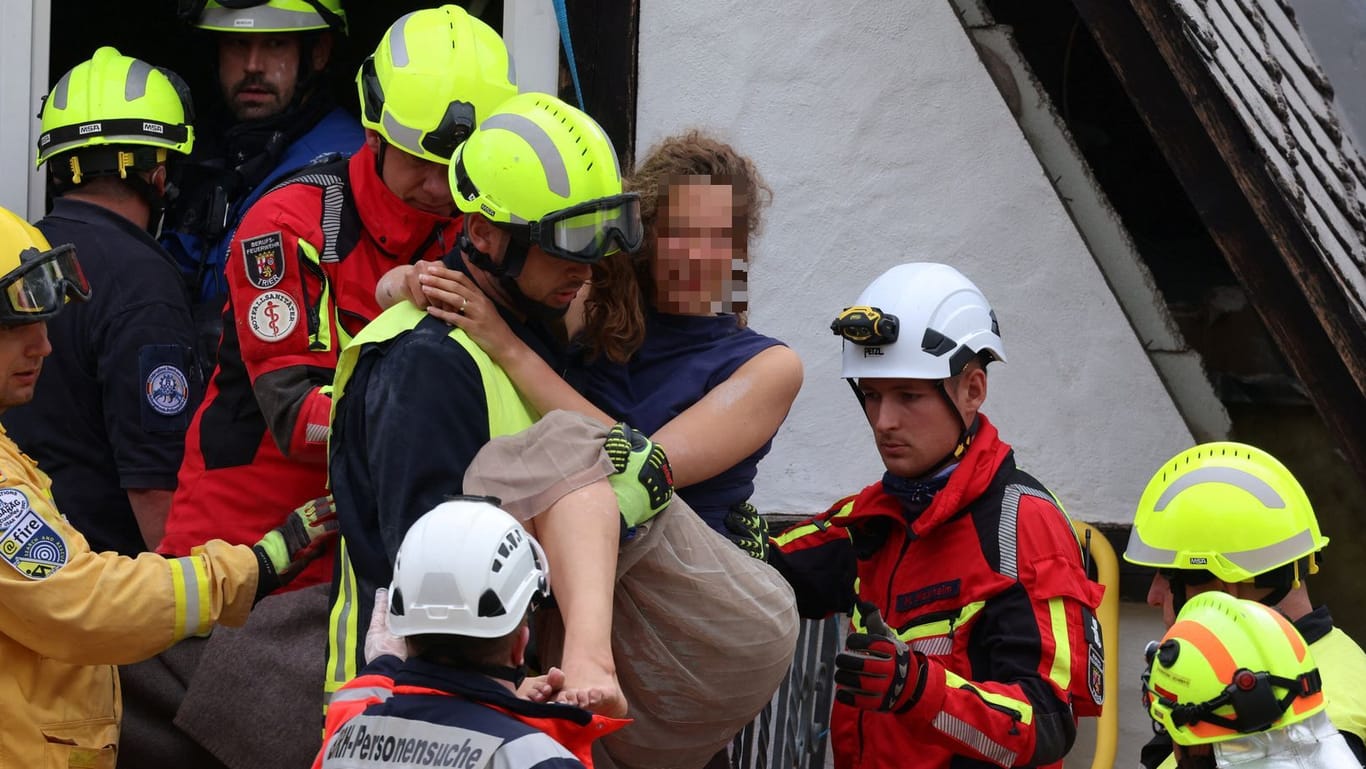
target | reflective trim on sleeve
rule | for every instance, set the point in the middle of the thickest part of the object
(796, 533)
(1060, 672)
(1010, 510)
(361, 693)
(342, 632)
(190, 583)
(973, 738)
(531, 750)
(1022, 710)
(845, 511)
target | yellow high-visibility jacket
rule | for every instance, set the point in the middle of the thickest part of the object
(68, 615)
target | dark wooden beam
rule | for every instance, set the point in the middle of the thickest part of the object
(605, 35)
(1247, 215)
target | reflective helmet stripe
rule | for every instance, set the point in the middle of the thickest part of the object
(1232, 476)
(556, 175)
(262, 18)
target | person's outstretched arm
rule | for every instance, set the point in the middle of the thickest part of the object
(713, 435)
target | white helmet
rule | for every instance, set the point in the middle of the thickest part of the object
(917, 321)
(466, 568)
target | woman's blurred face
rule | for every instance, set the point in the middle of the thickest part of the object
(700, 260)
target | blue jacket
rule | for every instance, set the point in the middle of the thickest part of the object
(336, 133)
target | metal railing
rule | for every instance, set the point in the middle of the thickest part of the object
(791, 732)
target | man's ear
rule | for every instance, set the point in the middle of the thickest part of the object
(322, 51)
(157, 178)
(972, 391)
(373, 139)
(519, 645)
(485, 237)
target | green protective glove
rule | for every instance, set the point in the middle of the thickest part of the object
(286, 549)
(748, 530)
(643, 481)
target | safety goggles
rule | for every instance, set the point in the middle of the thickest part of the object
(42, 284)
(867, 326)
(589, 231)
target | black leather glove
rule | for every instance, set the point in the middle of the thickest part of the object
(643, 481)
(286, 549)
(748, 530)
(877, 670)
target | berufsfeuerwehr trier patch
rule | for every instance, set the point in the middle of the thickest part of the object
(265, 257)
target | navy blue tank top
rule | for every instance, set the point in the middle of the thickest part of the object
(682, 359)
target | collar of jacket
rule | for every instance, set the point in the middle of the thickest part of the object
(572, 727)
(399, 230)
(967, 482)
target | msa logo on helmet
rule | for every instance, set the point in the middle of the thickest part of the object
(244, 22)
(1199, 561)
(90, 128)
(153, 128)
(485, 208)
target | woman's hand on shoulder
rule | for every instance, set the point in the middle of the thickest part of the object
(453, 297)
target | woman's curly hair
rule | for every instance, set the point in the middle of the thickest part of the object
(623, 284)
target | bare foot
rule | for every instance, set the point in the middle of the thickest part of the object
(542, 688)
(593, 687)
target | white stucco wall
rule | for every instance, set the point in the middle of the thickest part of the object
(885, 141)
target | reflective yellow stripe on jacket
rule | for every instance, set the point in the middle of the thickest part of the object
(508, 413)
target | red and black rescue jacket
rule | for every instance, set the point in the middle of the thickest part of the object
(301, 272)
(987, 585)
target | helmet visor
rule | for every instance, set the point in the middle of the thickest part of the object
(42, 284)
(592, 230)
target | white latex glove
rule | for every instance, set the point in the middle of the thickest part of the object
(378, 640)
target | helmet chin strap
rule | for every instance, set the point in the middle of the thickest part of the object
(514, 259)
(964, 434)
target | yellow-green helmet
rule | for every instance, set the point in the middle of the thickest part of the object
(114, 99)
(264, 15)
(1227, 508)
(434, 76)
(1230, 667)
(539, 163)
(36, 280)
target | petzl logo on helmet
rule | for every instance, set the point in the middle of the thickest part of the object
(90, 128)
(872, 352)
(153, 128)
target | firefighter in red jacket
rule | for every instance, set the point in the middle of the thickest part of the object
(973, 640)
(302, 270)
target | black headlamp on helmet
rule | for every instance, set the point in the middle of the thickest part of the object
(868, 326)
(40, 286)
